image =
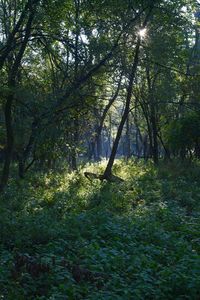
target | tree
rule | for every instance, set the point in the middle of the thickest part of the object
(131, 77)
(14, 65)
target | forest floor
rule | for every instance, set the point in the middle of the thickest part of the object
(65, 237)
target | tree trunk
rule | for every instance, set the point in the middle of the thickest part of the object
(167, 155)
(108, 171)
(8, 106)
(154, 134)
(10, 43)
(23, 157)
(197, 150)
(21, 167)
(152, 118)
(127, 140)
(9, 141)
(98, 147)
(100, 127)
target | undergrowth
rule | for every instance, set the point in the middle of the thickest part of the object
(65, 237)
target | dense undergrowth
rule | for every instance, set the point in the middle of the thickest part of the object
(64, 237)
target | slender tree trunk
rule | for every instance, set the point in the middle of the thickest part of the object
(149, 130)
(9, 102)
(151, 117)
(9, 141)
(137, 143)
(98, 147)
(108, 171)
(145, 148)
(76, 65)
(167, 155)
(23, 157)
(100, 127)
(5, 51)
(154, 134)
(21, 167)
(127, 140)
(197, 149)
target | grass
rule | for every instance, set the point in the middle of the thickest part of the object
(64, 237)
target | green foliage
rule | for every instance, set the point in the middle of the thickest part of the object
(183, 133)
(64, 237)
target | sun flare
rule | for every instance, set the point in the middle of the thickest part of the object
(142, 33)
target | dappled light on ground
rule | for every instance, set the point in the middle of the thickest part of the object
(99, 240)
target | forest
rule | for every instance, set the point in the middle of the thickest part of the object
(99, 149)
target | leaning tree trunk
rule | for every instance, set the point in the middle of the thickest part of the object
(167, 155)
(108, 171)
(103, 117)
